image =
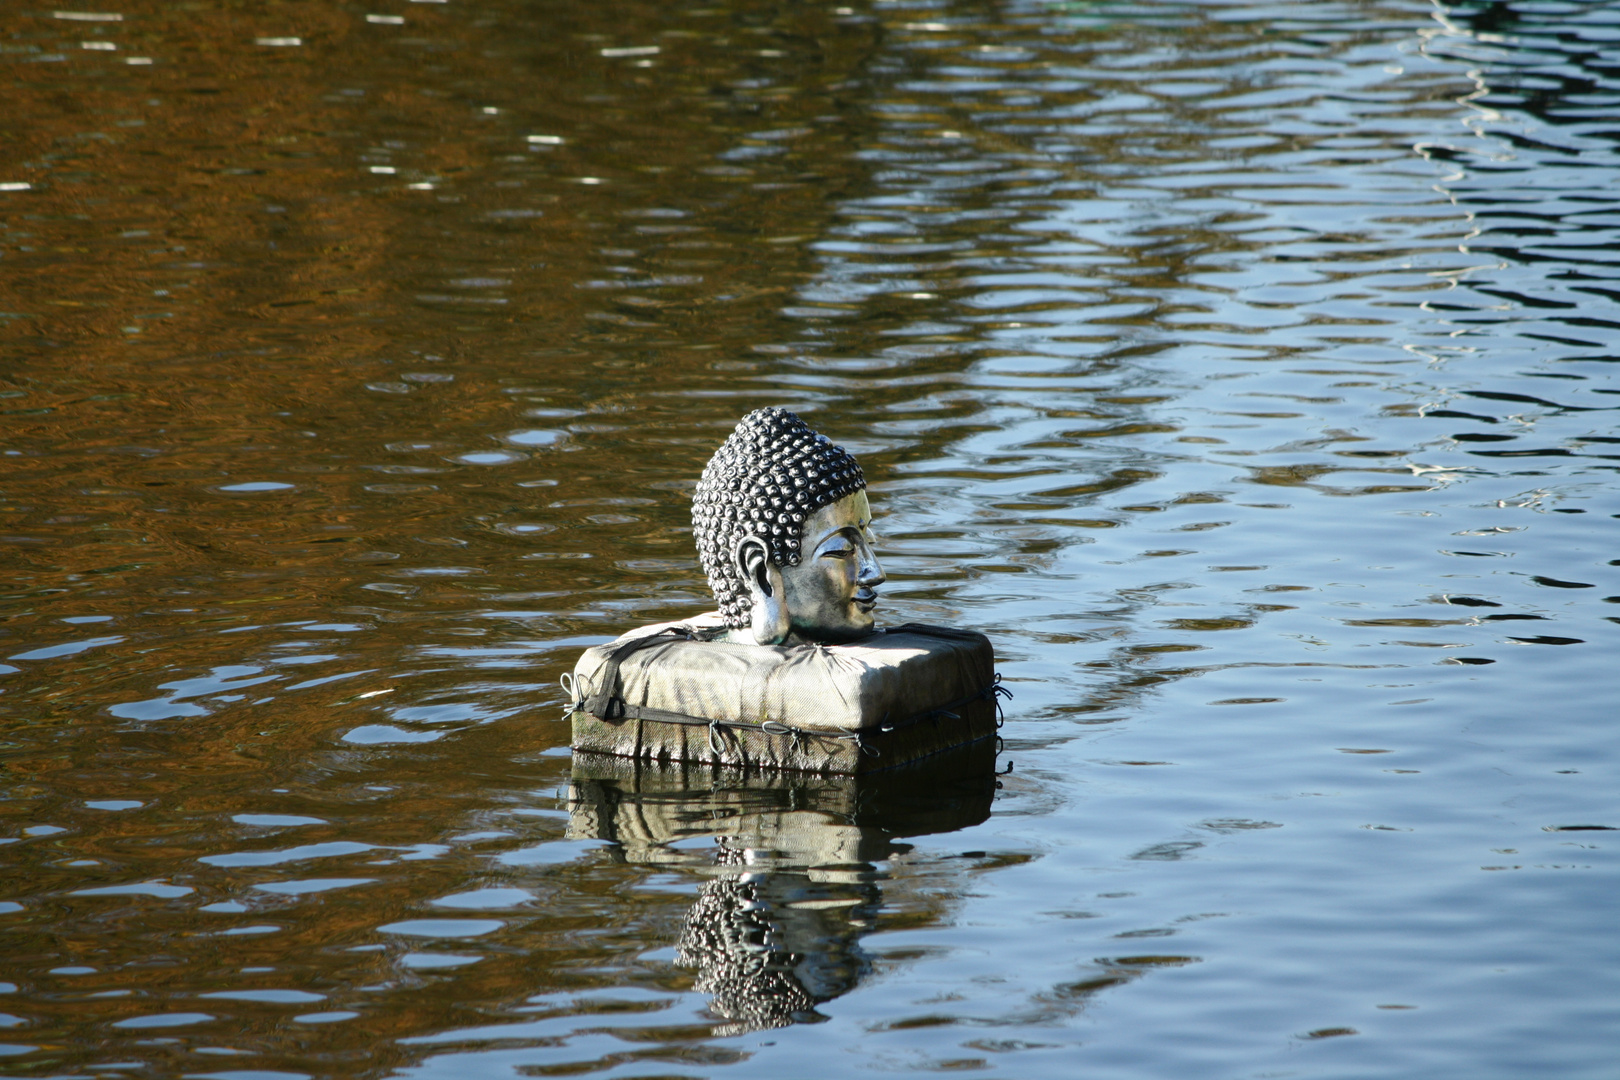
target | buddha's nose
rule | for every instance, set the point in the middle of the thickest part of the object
(871, 573)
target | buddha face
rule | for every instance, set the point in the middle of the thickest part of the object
(830, 595)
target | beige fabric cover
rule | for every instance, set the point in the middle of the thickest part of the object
(883, 679)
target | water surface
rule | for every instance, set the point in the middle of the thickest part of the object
(1244, 371)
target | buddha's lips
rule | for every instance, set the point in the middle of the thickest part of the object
(866, 599)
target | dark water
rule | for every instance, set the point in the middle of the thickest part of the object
(1246, 372)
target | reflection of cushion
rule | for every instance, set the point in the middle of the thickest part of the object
(889, 679)
(824, 825)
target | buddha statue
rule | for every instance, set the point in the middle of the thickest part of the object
(790, 672)
(783, 531)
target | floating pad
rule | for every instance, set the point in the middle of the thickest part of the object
(671, 693)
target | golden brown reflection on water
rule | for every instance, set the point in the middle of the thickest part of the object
(357, 364)
(238, 282)
(321, 344)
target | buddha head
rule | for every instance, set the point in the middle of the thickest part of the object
(781, 518)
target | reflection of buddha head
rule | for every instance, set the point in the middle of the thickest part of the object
(769, 944)
(781, 518)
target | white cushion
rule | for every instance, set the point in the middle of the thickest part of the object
(881, 681)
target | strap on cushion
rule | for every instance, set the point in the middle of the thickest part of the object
(950, 632)
(601, 704)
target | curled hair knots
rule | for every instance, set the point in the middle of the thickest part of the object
(765, 480)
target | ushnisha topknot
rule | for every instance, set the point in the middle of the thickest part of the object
(770, 474)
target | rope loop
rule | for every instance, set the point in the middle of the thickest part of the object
(576, 689)
(795, 735)
(997, 692)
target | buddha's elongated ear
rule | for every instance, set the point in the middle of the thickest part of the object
(769, 619)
